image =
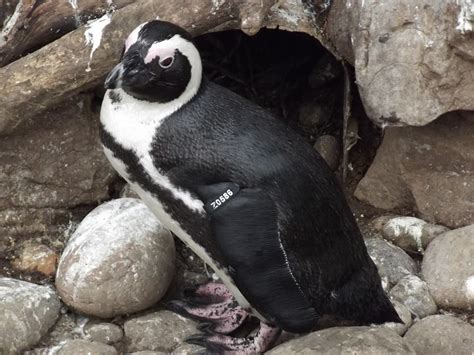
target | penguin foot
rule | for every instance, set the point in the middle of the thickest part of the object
(223, 317)
(223, 344)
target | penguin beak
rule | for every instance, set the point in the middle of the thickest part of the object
(114, 79)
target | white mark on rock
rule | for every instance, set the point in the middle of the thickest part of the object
(93, 34)
(465, 16)
(216, 4)
(77, 18)
(411, 226)
(470, 287)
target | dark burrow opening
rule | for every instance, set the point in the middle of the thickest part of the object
(289, 73)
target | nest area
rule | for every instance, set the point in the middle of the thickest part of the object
(280, 71)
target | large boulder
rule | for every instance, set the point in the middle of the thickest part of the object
(27, 311)
(346, 340)
(119, 260)
(448, 268)
(51, 167)
(426, 169)
(411, 57)
(441, 334)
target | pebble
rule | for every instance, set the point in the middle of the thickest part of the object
(120, 260)
(413, 293)
(85, 347)
(392, 262)
(441, 334)
(328, 147)
(36, 257)
(106, 333)
(405, 316)
(159, 331)
(27, 311)
(410, 233)
(346, 340)
(448, 268)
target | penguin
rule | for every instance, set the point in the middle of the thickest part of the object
(245, 192)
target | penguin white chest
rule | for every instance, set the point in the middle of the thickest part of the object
(133, 124)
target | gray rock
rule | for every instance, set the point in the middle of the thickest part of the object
(160, 331)
(413, 293)
(410, 66)
(392, 262)
(107, 333)
(313, 114)
(346, 340)
(405, 316)
(36, 257)
(188, 349)
(425, 169)
(411, 233)
(120, 260)
(146, 352)
(27, 311)
(448, 268)
(328, 147)
(53, 166)
(127, 191)
(85, 347)
(441, 334)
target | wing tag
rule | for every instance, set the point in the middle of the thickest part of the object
(221, 199)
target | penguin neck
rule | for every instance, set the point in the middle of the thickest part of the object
(133, 122)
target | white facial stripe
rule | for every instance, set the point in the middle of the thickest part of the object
(159, 49)
(133, 37)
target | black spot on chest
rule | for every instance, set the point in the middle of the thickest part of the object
(193, 223)
(114, 97)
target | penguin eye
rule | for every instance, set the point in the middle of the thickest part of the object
(167, 62)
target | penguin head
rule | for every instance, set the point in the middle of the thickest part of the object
(159, 63)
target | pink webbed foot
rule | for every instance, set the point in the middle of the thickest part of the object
(223, 344)
(213, 305)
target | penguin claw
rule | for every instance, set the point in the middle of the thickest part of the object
(206, 328)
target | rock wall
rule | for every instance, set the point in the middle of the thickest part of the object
(428, 170)
(50, 168)
(413, 59)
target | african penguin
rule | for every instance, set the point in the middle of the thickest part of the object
(247, 194)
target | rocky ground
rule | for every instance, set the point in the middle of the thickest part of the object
(87, 269)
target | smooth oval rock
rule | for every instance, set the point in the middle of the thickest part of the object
(441, 334)
(346, 340)
(159, 331)
(392, 262)
(119, 260)
(448, 268)
(413, 293)
(27, 311)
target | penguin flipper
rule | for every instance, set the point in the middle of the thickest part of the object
(245, 230)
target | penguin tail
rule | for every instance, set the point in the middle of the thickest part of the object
(362, 299)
